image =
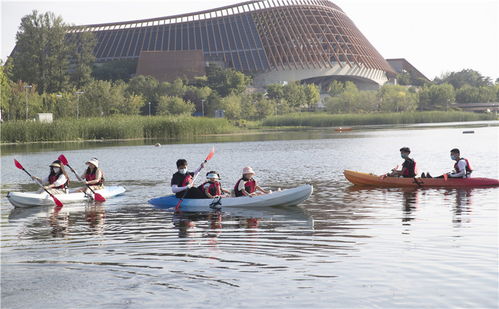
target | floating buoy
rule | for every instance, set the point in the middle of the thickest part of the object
(157, 145)
(340, 129)
(468, 132)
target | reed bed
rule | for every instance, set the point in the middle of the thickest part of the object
(119, 127)
(334, 120)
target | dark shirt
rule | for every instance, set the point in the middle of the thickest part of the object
(178, 179)
(410, 165)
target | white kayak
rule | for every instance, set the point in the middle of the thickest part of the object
(31, 199)
(287, 197)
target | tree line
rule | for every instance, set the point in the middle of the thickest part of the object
(51, 71)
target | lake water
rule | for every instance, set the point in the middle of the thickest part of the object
(345, 247)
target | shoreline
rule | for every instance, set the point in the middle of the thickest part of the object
(277, 129)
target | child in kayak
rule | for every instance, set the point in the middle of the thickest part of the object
(57, 181)
(182, 181)
(246, 186)
(462, 167)
(212, 188)
(93, 176)
(408, 167)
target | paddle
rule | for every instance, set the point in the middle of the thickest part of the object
(57, 202)
(210, 155)
(97, 196)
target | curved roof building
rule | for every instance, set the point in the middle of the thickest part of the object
(273, 40)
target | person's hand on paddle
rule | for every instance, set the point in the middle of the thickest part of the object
(35, 178)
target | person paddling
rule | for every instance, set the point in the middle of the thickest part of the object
(408, 167)
(182, 180)
(247, 186)
(93, 176)
(212, 187)
(462, 167)
(57, 181)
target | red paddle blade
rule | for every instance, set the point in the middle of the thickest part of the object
(57, 202)
(99, 198)
(18, 165)
(210, 155)
(63, 159)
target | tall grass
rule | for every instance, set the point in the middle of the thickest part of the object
(332, 120)
(120, 127)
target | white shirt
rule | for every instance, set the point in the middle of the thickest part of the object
(59, 182)
(461, 164)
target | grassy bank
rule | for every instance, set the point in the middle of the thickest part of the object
(122, 127)
(334, 120)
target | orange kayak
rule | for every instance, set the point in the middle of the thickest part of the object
(364, 179)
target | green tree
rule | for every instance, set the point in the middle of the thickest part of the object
(82, 58)
(232, 107)
(312, 96)
(294, 94)
(275, 92)
(198, 96)
(148, 88)
(174, 106)
(113, 70)
(336, 88)
(264, 108)
(465, 77)
(41, 54)
(395, 98)
(226, 81)
(345, 102)
(436, 97)
(5, 91)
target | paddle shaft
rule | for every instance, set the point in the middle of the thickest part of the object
(58, 203)
(177, 207)
(79, 178)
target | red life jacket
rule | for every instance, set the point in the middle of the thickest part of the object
(214, 189)
(407, 172)
(249, 186)
(53, 178)
(468, 166)
(92, 176)
(186, 180)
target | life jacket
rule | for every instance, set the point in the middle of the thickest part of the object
(468, 167)
(407, 172)
(53, 178)
(92, 176)
(214, 189)
(186, 180)
(249, 186)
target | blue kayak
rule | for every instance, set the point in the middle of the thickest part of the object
(287, 197)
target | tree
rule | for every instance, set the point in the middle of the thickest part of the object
(465, 77)
(169, 105)
(41, 53)
(312, 96)
(82, 58)
(294, 94)
(395, 98)
(148, 88)
(336, 88)
(275, 91)
(345, 102)
(119, 69)
(5, 91)
(226, 81)
(232, 107)
(436, 97)
(198, 96)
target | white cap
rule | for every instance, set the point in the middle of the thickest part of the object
(93, 161)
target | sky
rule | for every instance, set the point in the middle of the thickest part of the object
(436, 36)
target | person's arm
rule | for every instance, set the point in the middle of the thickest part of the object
(196, 172)
(462, 170)
(260, 189)
(206, 190)
(177, 189)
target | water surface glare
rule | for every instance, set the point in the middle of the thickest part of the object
(345, 247)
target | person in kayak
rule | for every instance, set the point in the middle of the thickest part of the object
(408, 167)
(182, 181)
(57, 181)
(212, 187)
(247, 186)
(462, 167)
(93, 176)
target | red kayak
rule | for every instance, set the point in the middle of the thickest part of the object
(363, 179)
